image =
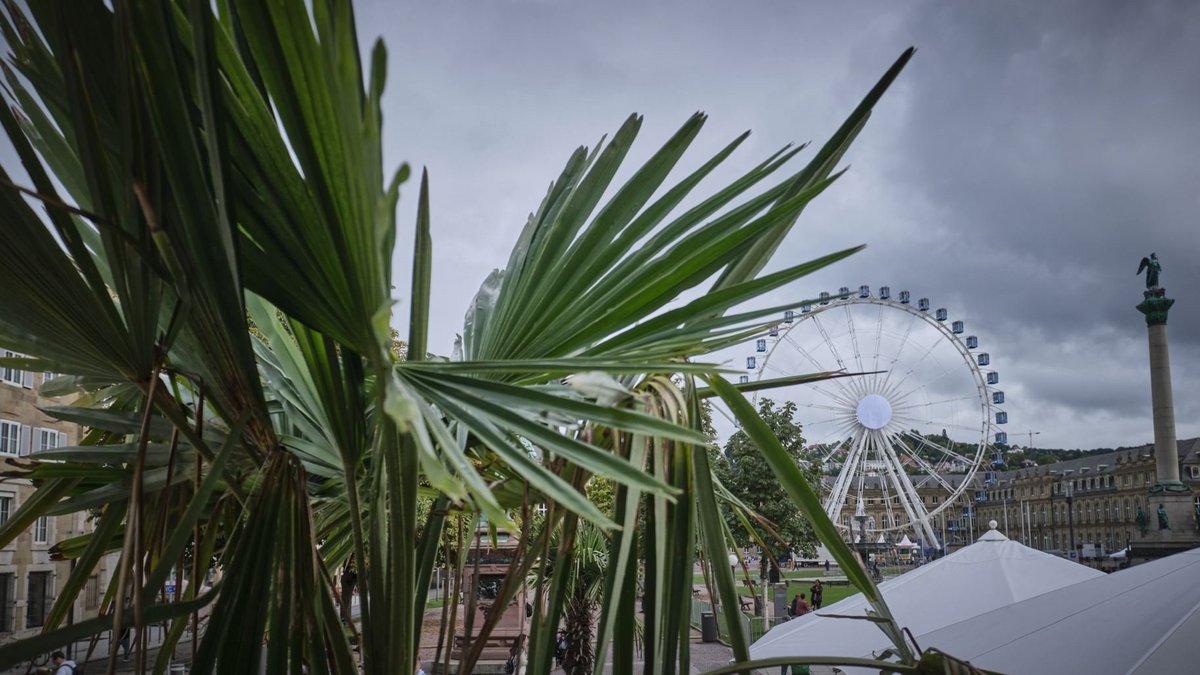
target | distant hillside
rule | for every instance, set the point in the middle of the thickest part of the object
(1016, 457)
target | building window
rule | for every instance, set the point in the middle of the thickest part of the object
(6, 507)
(41, 530)
(39, 601)
(48, 439)
(10, 437)
(91, 593)
(1194, 470)
(10, 375)
(8, 602)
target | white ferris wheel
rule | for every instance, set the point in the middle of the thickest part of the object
(911, 430)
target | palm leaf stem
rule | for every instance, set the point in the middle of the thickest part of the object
(132, 549)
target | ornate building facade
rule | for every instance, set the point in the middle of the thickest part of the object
(30, 580)
(1088, 505)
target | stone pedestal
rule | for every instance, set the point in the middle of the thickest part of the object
(1181, 533)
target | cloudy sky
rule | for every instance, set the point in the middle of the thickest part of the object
(1028, 157)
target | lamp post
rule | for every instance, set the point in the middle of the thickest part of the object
(1068, 486)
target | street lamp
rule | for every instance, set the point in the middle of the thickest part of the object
(1068, 486)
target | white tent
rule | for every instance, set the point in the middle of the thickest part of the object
(1145, 619)
(906, 543)
(993, 572)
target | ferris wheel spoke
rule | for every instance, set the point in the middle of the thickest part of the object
(846, 395)
(823, 406)
(846, 401)
(853, 338)
(965, 428)
(911, 499)
(912, 320)
(932, 472)
(941, 376)
(939, 447)
(878, 336)
(941, 401)
(889, 517)
(916, 364)
(828, 341)
(841, 486)
(835, 425)
(842, 434)
(820, 367)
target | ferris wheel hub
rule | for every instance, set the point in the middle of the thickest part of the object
(874, 412)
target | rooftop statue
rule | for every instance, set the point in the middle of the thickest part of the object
(1153, 269)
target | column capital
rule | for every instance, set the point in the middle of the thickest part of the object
(1155, 307)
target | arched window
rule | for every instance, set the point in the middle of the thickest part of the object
(1128, 511)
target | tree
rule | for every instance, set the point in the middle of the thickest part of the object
(584, 591)
(744, 473)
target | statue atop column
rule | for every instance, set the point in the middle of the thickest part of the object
(1156, 303)
(1152, 268)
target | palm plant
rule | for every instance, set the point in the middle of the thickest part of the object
(583, 590)
(202, 245)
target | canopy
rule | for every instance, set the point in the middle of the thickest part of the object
(993, 572)
(1145, 619)
(906, 543)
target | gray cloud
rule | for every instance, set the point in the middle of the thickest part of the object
(1026, 160)
(1028, 157)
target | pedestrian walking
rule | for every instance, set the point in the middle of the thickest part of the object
(125, 643)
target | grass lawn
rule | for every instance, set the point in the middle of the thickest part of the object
(832, 594)
(806, 573)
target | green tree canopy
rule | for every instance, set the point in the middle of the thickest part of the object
(743, 471)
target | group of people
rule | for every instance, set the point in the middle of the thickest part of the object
(800, 604)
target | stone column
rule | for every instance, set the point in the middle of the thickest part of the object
(1166, 452)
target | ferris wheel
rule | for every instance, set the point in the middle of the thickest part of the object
(910, 429)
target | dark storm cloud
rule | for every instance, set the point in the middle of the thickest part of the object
(1026, 160)
(1056, 144)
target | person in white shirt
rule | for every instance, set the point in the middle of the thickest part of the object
(62, 665)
